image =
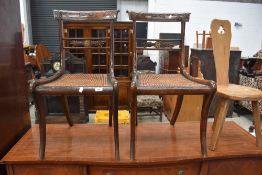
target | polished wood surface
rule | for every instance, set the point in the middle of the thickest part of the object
(156, 143)
(14, 109)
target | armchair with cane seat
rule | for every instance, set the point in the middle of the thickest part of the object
(167, 84)
(62, 84)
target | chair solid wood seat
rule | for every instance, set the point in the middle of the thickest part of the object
(166, 84)
(238, 92)
(221, 38)
(80, 84)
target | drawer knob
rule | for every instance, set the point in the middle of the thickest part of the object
(180, 172)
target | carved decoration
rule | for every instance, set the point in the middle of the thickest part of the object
(87, 43)
(105, 15)
(172, 17)
(158, 44)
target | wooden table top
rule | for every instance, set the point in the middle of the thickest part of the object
(94, 144)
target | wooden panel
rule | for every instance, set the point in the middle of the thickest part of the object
(242, 166)
(14, 110)
(186, 168)
(47, 170)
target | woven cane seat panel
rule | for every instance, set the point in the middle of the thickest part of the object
(70, 80)
(167, 80)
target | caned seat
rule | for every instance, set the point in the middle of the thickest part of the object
(80, 84)
(166, 84)
(221, 38)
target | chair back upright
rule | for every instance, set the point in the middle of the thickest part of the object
(107, 16)
(221, 38)
(159, 44)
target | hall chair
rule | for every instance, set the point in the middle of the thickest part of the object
(61, 84)
(166, 84)
(221, 38)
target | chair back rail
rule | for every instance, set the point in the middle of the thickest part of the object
(221, 37)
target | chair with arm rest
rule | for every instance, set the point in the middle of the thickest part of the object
(221, 38)
(62, 84)
(167, 84)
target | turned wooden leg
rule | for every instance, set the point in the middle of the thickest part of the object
(133, 122)
(39, 102)
(179, 102)
(203, 123)
(257, 123)
(220, 119)
(110, 109)
(115, 115)
(66, 109)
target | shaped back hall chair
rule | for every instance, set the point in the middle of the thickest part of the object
(167, 84)
(221, 38)
(62, 84)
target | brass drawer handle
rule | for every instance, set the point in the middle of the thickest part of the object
(180, 172)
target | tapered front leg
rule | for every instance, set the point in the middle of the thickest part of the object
(115, 114)
(133, 121)
(39, 102)
(110, 102)
(220, 119)
(203, 122)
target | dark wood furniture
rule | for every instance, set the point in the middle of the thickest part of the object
(181, 155)
(166, 84)
(62, 84)
(14, 108)
(204, 59)
(169, 60)
(221, 37)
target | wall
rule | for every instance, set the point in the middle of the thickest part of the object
(248, 38)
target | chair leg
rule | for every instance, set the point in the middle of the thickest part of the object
(115, 115)
(257, 123)
(161, 113)
(216, 114)
(86, 110)
(220, 119)
(110, 110)
(179, 102)
(39, 102)
(66, 109)
(133, 121)
(203, 123)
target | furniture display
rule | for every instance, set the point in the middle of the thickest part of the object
(221, 36)
(151, 103)
(62, 84)
(206, 40)
(204, 59)
(181, 153)
(166, 84)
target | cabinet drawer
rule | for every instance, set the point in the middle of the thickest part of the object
(46, 170)
(183, 169)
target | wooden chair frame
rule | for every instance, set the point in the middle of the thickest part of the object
(40, 90)
(221, 37)
(164, 44)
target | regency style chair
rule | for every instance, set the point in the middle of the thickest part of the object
(167, 84)
(62, 84)
(221, 38)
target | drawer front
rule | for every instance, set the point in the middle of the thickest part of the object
(183, 169)
(46, 170)
(244, 166)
